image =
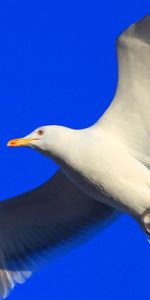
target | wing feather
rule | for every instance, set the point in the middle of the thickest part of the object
(40, 224)
(128, 117)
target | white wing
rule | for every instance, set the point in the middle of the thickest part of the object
(128, 117)
(38, 222)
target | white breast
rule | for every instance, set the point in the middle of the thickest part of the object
(98, 164)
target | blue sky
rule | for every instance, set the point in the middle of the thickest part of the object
(58, 66)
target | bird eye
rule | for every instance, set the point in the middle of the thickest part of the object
(40, 132)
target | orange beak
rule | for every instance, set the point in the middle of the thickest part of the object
(20, 142)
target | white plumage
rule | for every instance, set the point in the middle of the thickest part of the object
(103, 168)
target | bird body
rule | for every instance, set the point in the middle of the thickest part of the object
(103, 167)
(99, 164)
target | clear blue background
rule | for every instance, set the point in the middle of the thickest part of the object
(58, 66)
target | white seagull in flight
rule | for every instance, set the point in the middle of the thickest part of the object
(102, 168)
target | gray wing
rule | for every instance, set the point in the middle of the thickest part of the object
(40, 222)
(128, 117)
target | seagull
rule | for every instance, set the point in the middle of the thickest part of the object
(103, 169)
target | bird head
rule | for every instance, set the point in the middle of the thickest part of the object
(55, 142)
(51, 140)
(36, 139)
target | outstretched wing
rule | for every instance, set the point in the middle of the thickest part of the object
(38, 222)
(128, 117)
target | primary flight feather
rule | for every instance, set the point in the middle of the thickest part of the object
(103, 168)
